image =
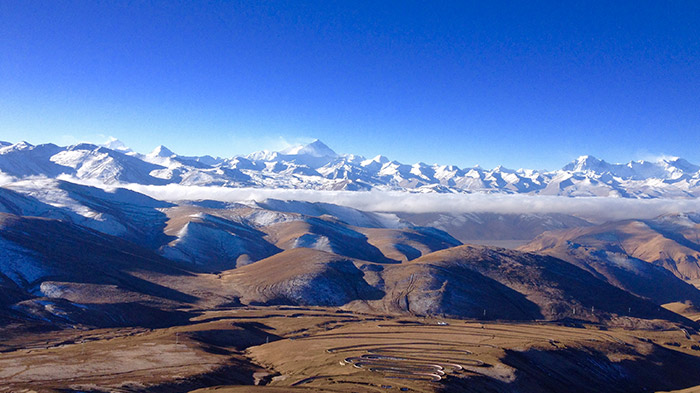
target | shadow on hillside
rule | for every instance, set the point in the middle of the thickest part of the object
(588, 370)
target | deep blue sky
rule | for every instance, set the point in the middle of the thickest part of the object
(532, 84)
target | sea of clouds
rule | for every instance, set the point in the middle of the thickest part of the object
(592, 208)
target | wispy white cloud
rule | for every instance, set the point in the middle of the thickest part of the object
(6, 179)
(245, 144)
(282, 143)
(98, 139)
(654, 157)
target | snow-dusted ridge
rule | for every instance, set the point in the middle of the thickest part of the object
(316, 166)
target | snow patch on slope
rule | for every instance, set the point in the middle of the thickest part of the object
(19, 264)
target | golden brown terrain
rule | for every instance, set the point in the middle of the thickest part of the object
(213, 296)
(686, 309)
(279, 349)
(671, 242)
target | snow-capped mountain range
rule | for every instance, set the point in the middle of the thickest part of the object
(316, 166)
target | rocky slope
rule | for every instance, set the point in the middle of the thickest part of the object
(670, 242)
(493, 283)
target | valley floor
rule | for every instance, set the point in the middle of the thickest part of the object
(282, 349)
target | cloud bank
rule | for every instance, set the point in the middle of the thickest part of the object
(6, 179)
(592, 208)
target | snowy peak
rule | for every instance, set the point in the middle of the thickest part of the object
(313, 149)
(115, 144)
(262, 155)
(587, 163)
(19, 146)
(82, 146)
(682, 164)
(502, 169)
(380, 159)
(161, 151)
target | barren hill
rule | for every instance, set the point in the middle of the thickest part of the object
(670, 242)
(65, 273)
(301, 276)
(485, 282)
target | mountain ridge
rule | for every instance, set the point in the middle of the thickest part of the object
(317, 166)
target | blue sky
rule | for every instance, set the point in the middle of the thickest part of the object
(523, 84)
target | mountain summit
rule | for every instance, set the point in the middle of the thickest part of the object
(587, 163)
(314, 149)
(161, 151)
(115, 144)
